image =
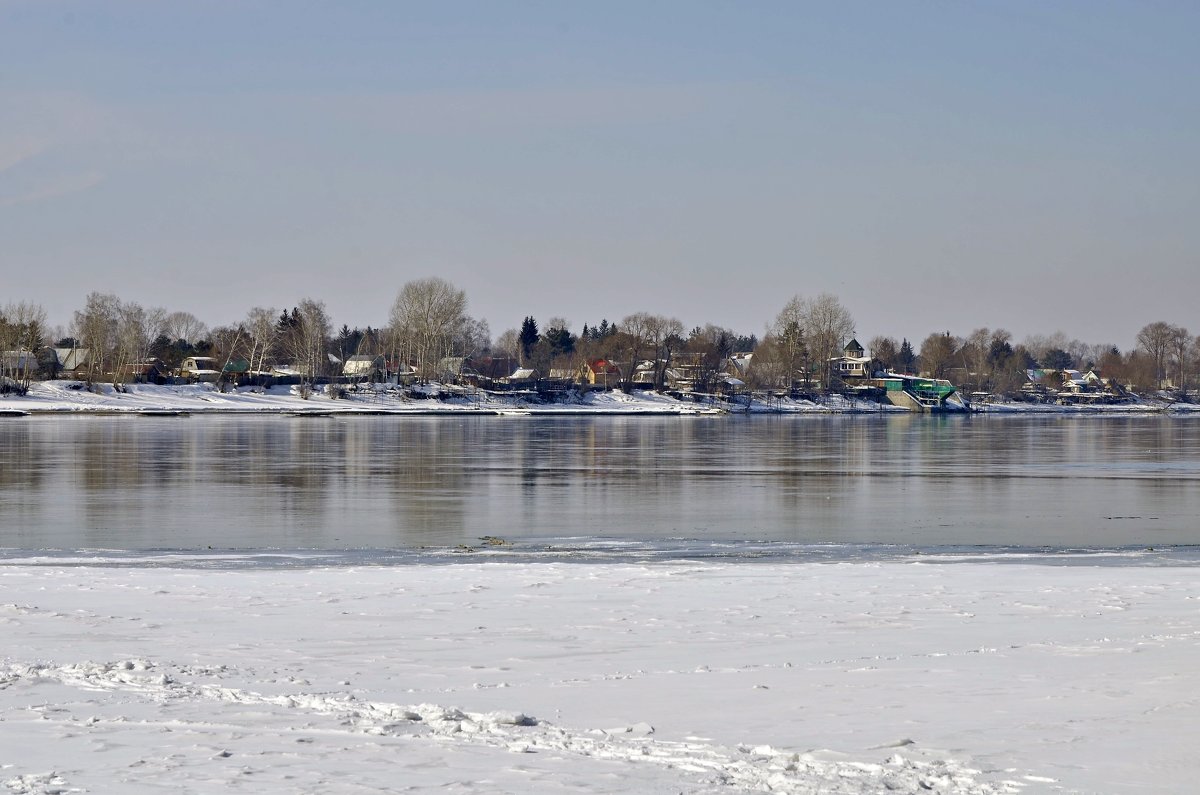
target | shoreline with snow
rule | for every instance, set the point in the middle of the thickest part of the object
(70, 397)
(660, 677)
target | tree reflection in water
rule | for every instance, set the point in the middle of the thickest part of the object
(388, 482)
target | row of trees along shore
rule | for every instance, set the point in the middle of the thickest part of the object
(429, 324)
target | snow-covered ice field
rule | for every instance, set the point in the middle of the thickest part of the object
(650, 677)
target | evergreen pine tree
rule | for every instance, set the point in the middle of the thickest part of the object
(561, 341)
(528, 337)
(906, 359)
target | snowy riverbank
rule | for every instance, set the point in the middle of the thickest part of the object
(1140, 406)
(71, 397)
(503, 677)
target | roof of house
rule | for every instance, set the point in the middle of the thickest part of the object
(603, 366)
(20, 358)
(71, 358)
(741, 361)
(361, 363)
(493, 366)
(201, 364)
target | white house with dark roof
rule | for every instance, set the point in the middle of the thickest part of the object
(853, 363)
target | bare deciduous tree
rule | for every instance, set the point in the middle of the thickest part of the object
(792, 357)
(636, 328)
(937, 354)
(116, 334)
(1179, 342)
(507, 345)
(829, 326)
(474, 337)
(666, 335)
(262, 329)
(710, 347)
(426, 320)
(884, 350)
(137, 328)
(308, 340)
(184, 326)
(95, 328)
(974, 355)
(1155, 341)
(651, 335)
(1193, 359)
(814, 329)
(22, 334)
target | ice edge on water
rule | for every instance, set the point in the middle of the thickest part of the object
(586, 550)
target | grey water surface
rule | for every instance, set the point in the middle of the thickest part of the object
(274, 482)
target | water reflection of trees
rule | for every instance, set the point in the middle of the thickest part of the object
(426, 476)
(277, 481)
(22, 476)
(22, 468)
(110, 466)
(612, 476)
(212, 481)
(815, 468)
(256, 482)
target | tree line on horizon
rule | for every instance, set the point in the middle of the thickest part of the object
(429, 323)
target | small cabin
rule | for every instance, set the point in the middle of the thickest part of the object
(200, 368)
(363, 367)
(601, 373)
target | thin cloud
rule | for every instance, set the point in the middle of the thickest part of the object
(16, 150)
(54, 188)
(535, 109)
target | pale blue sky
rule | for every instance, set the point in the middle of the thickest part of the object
(937, 165)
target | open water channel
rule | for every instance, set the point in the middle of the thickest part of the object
(405, 483)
